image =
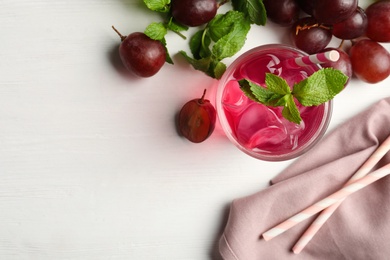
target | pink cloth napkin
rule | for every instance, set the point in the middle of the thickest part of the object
(358, 229)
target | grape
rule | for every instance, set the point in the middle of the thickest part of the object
(352, 27)
(194, 12)
(310, 36)
(306, 6)
(370, 61)
(197, 119)
(343, 64)
(140, 54)
(282, 12)
(331, 12)
(378, 16)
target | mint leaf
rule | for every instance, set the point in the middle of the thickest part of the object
(222, 24)
(199, 45)
(209, 66)
(253, 9)
(320, 87)
(245, 87)
(234, 40)
(268, 96)
(290, 110)
(260, 94)
(168, 58)
(156, 31)
(162, 6)
(277, 84)
(217, 69)
(198, 64)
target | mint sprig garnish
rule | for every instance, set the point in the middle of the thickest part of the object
(320, 87)
(221, 38)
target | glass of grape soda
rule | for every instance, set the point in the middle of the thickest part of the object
(259, 130)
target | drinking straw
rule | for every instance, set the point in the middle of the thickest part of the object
(316, 58)
(330, 200)
(326, 213)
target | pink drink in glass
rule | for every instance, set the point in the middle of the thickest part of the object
(261, 131)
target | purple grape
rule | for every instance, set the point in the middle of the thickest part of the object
(282, 12)
(310, 36)
(331, 12)
(194, 12)
(352, 27)
(140, 54)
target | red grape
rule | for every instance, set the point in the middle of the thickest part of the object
(310, 36)
(196, 120)
(370, 61)
(282, 12)
(140, 54)
(352, 27)
(378, 16)
(331, 12)
(194, 12)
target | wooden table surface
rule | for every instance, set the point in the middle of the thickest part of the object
(91, 165)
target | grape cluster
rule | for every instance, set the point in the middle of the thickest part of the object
(367, 59)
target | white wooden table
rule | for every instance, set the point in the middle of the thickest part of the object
(91, 166)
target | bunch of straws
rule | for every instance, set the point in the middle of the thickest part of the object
(359, 180)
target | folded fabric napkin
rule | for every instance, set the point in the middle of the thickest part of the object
(358, 229)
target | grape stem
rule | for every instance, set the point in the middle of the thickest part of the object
(341, 44)
(120, 35)
(308, 27)
(180, 34)
(202, 98)
(167, 25)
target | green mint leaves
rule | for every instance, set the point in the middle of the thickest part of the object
(156, 31)
(222, 37)
(320, 87)
(254, 9)
(162, 6)
(315, 90)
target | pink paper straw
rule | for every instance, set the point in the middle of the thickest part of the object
(330, 200)
(317, 58)
(326, 213)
